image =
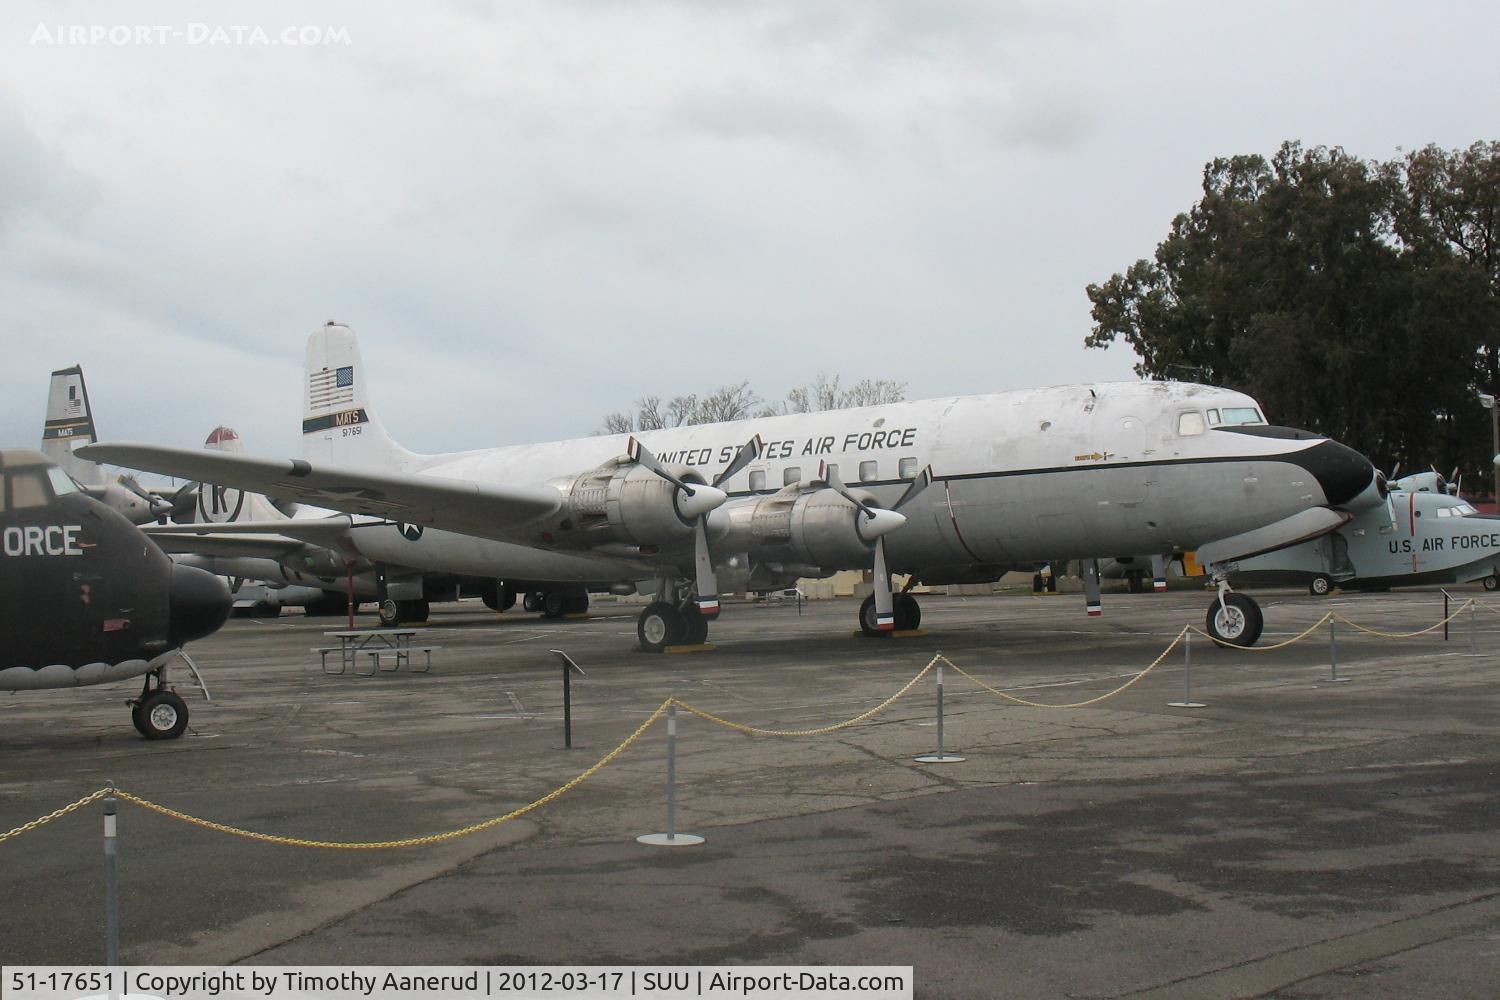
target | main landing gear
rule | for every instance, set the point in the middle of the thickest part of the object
(665, 624)
(394, 613)
(1235, 618)
(907, 611)
(158, 714)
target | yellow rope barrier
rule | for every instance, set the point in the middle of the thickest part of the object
(55, 814)
(1264, 649)
(435, 838)
(1077, 704)
(707, 717)
(754, 731)
(1407, 635)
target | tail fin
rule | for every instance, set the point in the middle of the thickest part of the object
(70, 425)
(224, 504)
(339, 426)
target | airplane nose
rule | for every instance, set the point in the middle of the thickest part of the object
(199, 601)
(1348, 479)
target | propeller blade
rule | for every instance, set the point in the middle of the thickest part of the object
(829, 475)
(748, 453)
(707, 579)
(920, 483)
(641, 455)
(694, 500)
(885, 613)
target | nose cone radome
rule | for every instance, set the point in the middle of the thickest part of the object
(1348, 479)
(200, 603)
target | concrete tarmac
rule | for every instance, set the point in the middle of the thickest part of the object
(1294, 837)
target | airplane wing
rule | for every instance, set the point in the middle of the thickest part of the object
(486, 510)
(324, 531)
(226, 546)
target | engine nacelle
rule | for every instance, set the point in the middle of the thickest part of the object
(623, 502)
(815, 528)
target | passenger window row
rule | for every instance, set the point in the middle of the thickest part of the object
(869, 471)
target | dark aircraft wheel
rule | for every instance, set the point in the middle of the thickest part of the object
(867, 623)
(908, 613)
(1037, 583)
(1492, 583)
(390, 613)
(1135, 583)
(1238, 622)
(695, 627)
(577, 604)
(660, 625)
(532, 601)
(1320, 585)
(554, 604)
(160, 716)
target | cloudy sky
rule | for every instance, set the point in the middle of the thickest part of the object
(535, 212)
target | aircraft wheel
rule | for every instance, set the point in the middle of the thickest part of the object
(1037, 583)
(695, 627)
(389, 613)
(1238, 622)
(577, 604)
(867, 616)
(160, 716)
(660, 625)
(1135, 583)
(1320, 585)
(554, 604)
(1492, 583)
(268, 610)
(532, 602)
(908, 613)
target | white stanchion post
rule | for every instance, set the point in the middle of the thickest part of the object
(1187, 675)
(941, 757)
(111, 884)
(671, 838)
(1473, 627)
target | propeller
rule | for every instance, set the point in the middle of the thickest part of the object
(873, 523)
(695, 502)
(158, 505)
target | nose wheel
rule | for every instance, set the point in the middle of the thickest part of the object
(158, 714)
(1235, 619)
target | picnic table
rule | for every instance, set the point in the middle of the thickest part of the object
(382, 645)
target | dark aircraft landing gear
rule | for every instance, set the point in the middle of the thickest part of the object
(665, 624)
(393, 613)
(158, 713)
(560, 603)
(498, 598)
(1320, 585)
(1492, 583)
(904, 607)
(1235, 619)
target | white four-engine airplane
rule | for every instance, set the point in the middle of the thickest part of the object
(953, 489)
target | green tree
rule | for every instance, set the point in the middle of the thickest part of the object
(1317, 282)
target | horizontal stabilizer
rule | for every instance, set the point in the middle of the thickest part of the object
(1300, 527)
(487, 510)
(228, 546)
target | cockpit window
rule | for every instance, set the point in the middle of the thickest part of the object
(1190, 423)
(62, 483)
(27, 488)
(1464, 510)
(1213, 418)
(1233, 416)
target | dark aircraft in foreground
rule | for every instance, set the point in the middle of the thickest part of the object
(87, 598)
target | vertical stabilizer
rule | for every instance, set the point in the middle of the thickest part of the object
(339, 426)
(70, 425)
(224, 504)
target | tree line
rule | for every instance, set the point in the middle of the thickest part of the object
(1356, 298)
(740, 402)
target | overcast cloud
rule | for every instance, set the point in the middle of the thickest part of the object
(534, 213)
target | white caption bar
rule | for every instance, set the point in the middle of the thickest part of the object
(527, 982)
